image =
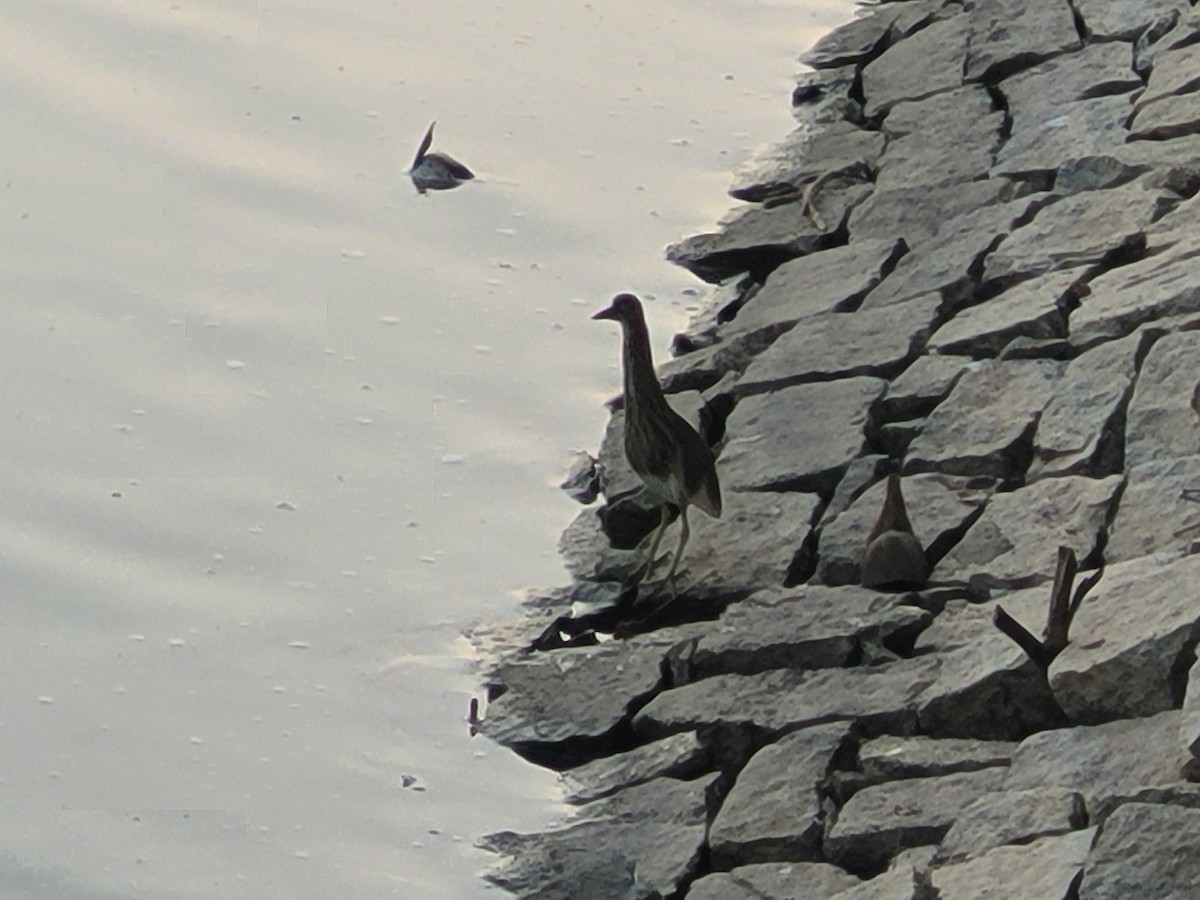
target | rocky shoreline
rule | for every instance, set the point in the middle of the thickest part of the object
(974, 263)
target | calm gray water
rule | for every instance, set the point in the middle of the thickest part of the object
(277, 429)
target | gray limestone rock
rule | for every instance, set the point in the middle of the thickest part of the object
(1175, 72)
(833, 280)
(985, 426)
(773, 881)
(917, 214)
(1189, 719)
(922, 386)
(1035, 309)
(1081, 430)
(752, 546)
(1170, 117)
(882, 819)
(782, 168)
(806, 627)
(1039, 93)
(1161, 422)
(680, 756)
(937, 509)
(1107, 21)
(759, 238)
(703, 369)
(824, 97)
(951, 265)
(827, 420)
(907, 878)
(842, 345)
(1012, 817)
(1047, 869)
(958, 130)
(858, 41)
(1102, 762)
(1083, 229)
(1063, 134)
(1145, 850)
(1149, 290)
(1011, 544)
(774, 811)
(782, 700)
(892, 757)
(1007, 36)
(985, 687)
(1152, 516)
(1129, 638)
(659, 825)
(575, 693)
(589, 555)
(917, 66)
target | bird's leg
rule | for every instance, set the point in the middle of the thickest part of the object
(684, 532)
(662, 526)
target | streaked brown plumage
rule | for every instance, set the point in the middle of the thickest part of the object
(673, 461)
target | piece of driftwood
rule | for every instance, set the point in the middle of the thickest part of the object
(1063, 605)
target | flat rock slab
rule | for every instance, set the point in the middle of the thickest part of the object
(892, 757)
(659, 825)
(917, 214)
(752, 546)
(1011, 544)
(782, 700)
(938, 510)
(1189, 719)
(985, 426)
(880, 820)
(1007, 36)
(1038, 94)
(1161, 422)
(922, 386)
(1036, 308)
(571, 693)
(960, 129)
(806, 627)
(903, 880)
(827, 420)
(774, 811)
(917, 66)
(1083, 229)
(680, 756)
(1145, 850)
(1081, 430)
(842, 345)
(804, 154)
(1102, 762)
(1128, 639)
(773, 881)
(1107, 21)
(859, 40)
(1151, 517)
(1046, 869)
(985, 686)
(1012, 817)
(1166, 118)
(833, 280)
(759, 238)
(1149, 290)
(1064, 135)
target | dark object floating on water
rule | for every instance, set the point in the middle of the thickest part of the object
(436, 171)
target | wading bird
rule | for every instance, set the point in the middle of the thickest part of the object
(436, 171)
(673, 461)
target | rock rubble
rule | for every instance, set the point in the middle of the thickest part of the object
(975, 265)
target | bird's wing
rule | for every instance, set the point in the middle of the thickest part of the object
(425, 145)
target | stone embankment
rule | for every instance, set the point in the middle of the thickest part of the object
(976, 262)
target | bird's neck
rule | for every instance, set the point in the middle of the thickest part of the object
(641, 384)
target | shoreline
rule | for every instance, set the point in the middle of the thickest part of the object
(972, 264)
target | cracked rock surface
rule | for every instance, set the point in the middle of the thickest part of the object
(973, 265)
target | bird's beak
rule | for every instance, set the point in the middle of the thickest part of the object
(608, 313)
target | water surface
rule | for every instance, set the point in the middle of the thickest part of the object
(277, 429)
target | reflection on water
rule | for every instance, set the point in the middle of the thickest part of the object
(277, 427)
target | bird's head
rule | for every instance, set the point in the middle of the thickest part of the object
(624, 308)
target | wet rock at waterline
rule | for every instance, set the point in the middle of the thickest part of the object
(995, 295)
